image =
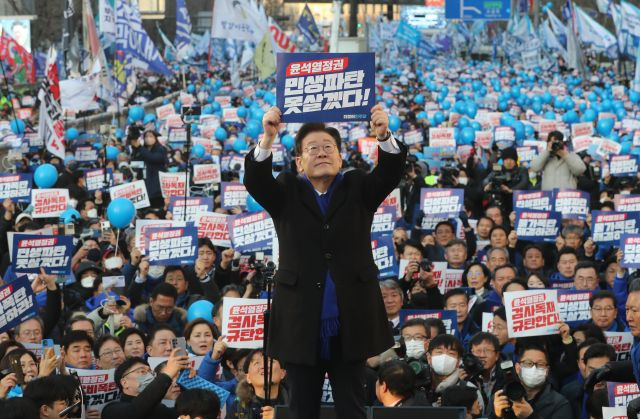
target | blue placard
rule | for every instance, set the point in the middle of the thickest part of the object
(573, 306)
(383, 220)
(171, 245)
(623, 165)
(608, 226)
(448, 317)
(538, 226)
(533, 200)
(251, 232)
(17, 303)
(313, 87)
(571, 203)
(32, 252)
(194, 206)
(441, 203)
(630, 246)
(477, 9)
(16, 186)
(384, 255)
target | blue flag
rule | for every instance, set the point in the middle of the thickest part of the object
(307, 25)
(133, 40)
(183, 30)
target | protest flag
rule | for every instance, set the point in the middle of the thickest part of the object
(264, 57)
(51, 125)
(307, 25)
(242, 20)
(183, 31)
(20, 60)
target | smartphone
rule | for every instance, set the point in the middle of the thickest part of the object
(49, 347)
(181, 344)
(15, 368)
(105, 226)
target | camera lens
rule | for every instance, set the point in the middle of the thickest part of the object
(514, 390)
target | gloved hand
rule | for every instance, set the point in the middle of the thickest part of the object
(464, 218)
(596, 376)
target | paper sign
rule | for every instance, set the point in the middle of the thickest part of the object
(442, 137)
(624, 165)
(608, 147)
(96, 180)
(143, 225)
(136, 192)
(164, 111)
(49, 202)
(581, 129)
(393, 200)
(17, 304)
(413, 137)
(537, 200)
(384, 255)
(630, 246)
(194, 206)
(325, 87)
(441, 203)
(214, 226)
(526, 153)
(620, 394)
(171, 245)
(243, 322)
(448, 317)
(608, 226)
(234, 194)
(98, 387)
(622, 342)
(571, 203)
(177, 135)
(383, 220)
(204, 174)
(538, 226)
(614, 412)
(487, 322)
(532, 313)
(573, 306)
(504, 137)
(626, 203)
(581, 143)
(484, 139)
(33, 251)
(86, 154)
(173, 184)
(251, 232)
(16, 186)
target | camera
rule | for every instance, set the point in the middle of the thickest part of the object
(513, 389)
(473, 366)
(411, 164)
(191, 110)
(422, 371)
(264, 272)
(556, 146)
(425, 265)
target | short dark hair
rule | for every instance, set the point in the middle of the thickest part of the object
(453, 292)
(445, 223)
(525, 345)
(16, 354)
(188, 329)
(506, 266)
(599, 350)
(484, 217)
(126, 365)
(173, 268)
(198, 402)
(75, 336)
(460, 395)
(101, 341)
(435, 322)
(498, 227)
(539, 275)
(555, 135)
(515, 281)
(166, 289)
(590, 330)
(19, 408)
(601, 295)
(485, 271)
(157, 328)
(45, 391)
(567, 251)
(534, 247)
(416, 322)
(399, 378)
(454, 242)
(501, 312)
(75, 319)
(310, 127)
(585, 264)
(206, 241)
(411, 243)
(448, 342)
(132, 331)
(251, 355)
(480, 337)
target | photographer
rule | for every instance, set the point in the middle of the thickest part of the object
(560, 168)
(418, 279)
(526, 393)
(412, 183)
(395, 384)
(502, 181)
(154, 156)
(142, 390)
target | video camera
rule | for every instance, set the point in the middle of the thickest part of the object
(513, 388)
(264, 271)
(448, 172)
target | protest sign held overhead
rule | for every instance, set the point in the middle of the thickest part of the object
(136, 192)
(17, 304)
(608, 226)
(537, 226)
(49, 202)
(193, 206)
(234, 194)
(384, 256)
(448, 317)
(532, 313)
(442, 203)
(571, 203)
(573, 306)
(325, 87)
(98, 387)
(214, 226)
(17, 187)
(534, 200)
(171, 245)
(32, 252)
(251, 232)
(243, 321)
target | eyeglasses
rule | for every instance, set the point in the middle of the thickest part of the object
(140, 370)
(165, 310)
(31, 333)
(409, 338)
(483, 351)
(111, 354)
(607, 309)
(529, 364)
(313, 150)
(475, 274)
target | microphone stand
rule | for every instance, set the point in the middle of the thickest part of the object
(268, 363)
(187, 121)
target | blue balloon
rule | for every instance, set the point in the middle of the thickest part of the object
(476, 126)
(626, 147)
(112, 152)
(207, 110)
(288, 141)
(422, 115)
(550, 115)
(529, 131)
(257, 114)
(467, 135)
(45, 176)
(570, 117)
(252, 204)
(634, 96)
(463, 122)
(518, 128)
(621, 114)
(242, 112)
(221, 134)
(446, 105)
(191, 88)
(604, 126)
(136, 113)
(239, 145)
(536, 107)
(438, 117)
(269, 98)
(472, 110)
(177, 106)
(589, 115)
(547, 98)
(419, 99)
(252, 129)
(507, 120)
(119, 133)
(198, 151)
(71, 134)
(389, 102)
(120, 212)
(70, 215)
(592, 97)
(148, 118)
(394, 123)
(215, 106)
(201, 309)
(17, 126)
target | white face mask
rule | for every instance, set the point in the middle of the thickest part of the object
(92, 213)
(463, 180)
(114, 262)
(156, 271)
(144, 381)
(415, 349)
(444, 364)
(533, 377)
(73, 203)
(87, 281)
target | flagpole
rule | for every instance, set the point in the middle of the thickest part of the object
(6, 83)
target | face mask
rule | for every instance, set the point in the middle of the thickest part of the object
(73, 203)
(87, 281)
(415, 349)
(94, 255)
(444, 364)
(156, 271)
(533, 377)
(627, 192)
(144, 381)
(463, 180)
(114, 262)
(92, 213)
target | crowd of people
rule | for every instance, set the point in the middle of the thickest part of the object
(120, 328)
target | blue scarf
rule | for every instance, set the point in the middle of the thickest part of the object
(329, 316)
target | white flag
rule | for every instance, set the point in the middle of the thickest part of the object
(238, 19)
(51, 125)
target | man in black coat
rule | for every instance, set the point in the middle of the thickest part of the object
(328, 314)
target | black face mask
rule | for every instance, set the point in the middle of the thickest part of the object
(94, 255)
(420, 299)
